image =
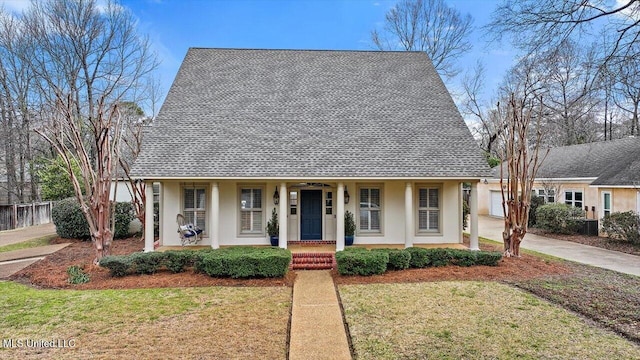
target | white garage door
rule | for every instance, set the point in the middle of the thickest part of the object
(496, 204)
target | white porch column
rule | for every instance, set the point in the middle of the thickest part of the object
(282, 216)
(340, 218)
(408, 215)
(148, 217)
(473, 222)
(214, 228)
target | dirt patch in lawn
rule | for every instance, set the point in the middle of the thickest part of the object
(597, 241)
(51, 272)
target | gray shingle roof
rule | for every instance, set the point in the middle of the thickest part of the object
(302, 113)
(613, 163)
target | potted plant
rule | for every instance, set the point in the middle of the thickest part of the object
(273, 229)
(349, 228)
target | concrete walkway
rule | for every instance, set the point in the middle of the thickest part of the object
(9, 237)
(317, 329)
(14, 261)
(491, 228)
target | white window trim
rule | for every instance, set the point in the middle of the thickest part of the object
(360, 232)
(602, 211)
(573, 202)
(264, 210)
(196, 186)
(416, 216)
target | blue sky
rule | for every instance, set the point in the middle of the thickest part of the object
(175, 25)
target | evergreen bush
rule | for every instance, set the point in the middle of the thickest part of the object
(559, 218)
(358, 262)
(622, 226)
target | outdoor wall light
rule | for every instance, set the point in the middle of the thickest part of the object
(346, 195)
(276, 197)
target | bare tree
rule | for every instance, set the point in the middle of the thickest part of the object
(627, 90)
(520, 161)
(16, 83)
(568, 75)
(430, 26)
(535, 25)
(88, 61)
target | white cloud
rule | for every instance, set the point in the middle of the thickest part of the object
(632, 12)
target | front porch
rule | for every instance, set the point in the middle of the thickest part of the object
(389, 213)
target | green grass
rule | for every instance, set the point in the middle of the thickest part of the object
(42, 241)
(473, 320)
(155, 323)
(608, 297)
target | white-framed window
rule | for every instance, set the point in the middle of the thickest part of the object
(194, 206)
(370, 206)
(429, 209)
(293, 203)
(251, 210)
(606, 203)
(328, 203)
(573, 198)
(548, 195)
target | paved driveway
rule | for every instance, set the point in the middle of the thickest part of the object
(491, 228)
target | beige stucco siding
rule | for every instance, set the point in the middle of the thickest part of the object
(622, 199)
(392, 214)
(591, 195)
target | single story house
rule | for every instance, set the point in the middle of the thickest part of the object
(600, 178)
(311, 134)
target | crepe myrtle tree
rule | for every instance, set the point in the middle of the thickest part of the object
(520, 155)
(88, 60)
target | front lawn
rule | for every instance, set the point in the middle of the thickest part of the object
(473, 320)
(213, 322)
(608, 297)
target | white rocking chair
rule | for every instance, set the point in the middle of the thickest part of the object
(189, 233)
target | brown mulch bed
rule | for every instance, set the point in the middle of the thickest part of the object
(51, 271)
(597, 241)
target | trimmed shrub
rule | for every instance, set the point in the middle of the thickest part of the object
(439, 257)
(460, 257)
(71, 223)
(177, 261)
(243, 262)
(419, 257)
(559, 218)
(488, 258)
(69, 220)
(464, 258)
(147, 263)
(399, 259)
(358, 262)
(77, 275)
(123, 217)
(118, 265)
(622, 226)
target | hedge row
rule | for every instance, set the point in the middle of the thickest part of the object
(359, 261)
(235, 262)
(421, 258)
(243, 262)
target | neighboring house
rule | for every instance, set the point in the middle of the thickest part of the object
(312, 134)
(601, 177)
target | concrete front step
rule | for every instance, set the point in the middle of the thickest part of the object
(313, 261)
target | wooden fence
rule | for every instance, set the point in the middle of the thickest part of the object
(23, 215)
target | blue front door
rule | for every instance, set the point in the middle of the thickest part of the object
(311, 215)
